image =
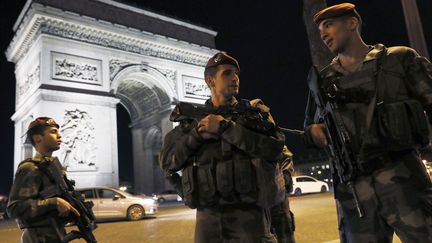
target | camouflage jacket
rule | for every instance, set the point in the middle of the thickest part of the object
(405, 75)
(25, 201)
(227, 170)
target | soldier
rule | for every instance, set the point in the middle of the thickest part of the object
(282, 219)
(228, 162)
(35, 214)
(377, 97)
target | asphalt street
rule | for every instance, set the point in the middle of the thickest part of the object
(315, 217)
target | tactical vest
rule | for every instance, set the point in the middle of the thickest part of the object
(48, 189)
(375, 106)
(231, 177)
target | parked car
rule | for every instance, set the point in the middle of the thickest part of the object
(112, 203)
(307, 184)
(168, 195)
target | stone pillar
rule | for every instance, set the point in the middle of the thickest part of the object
(414, 27)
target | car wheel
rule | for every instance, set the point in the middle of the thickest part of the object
(323, 189)
(135, 212)
(298, 192)
(161, 200)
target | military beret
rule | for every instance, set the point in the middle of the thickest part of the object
(43, 121)
(335, 11)
(222, 58)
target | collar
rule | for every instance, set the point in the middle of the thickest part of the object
(373, 54)
(210, 104)
(38, 157)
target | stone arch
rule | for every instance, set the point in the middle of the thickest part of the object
(149, 75)
(153, 138)
(147, 95)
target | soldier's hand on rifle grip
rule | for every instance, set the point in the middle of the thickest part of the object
(65, 208)
(317, 132)
(208, 126)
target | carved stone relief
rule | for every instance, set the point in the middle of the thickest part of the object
(195, 88)
(79, 150)
(74, 68)
(30, 79)
(116, 65)
(56, 28)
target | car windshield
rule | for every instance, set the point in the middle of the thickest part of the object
(134, 193)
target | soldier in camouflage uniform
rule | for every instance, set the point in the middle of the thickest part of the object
(282, 219)
(34, 214)
(381, 94)
(229, 170)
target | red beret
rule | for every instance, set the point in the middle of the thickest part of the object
(43, 121)
(222, 58)
(335, 11)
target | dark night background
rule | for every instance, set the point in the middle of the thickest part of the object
(268, 38)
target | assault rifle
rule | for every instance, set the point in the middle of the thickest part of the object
(251, 117)
(64, 188)
(340, 145)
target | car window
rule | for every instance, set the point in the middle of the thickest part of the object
(309, 179)
(104, 193)
(87, 193)
(300, 179)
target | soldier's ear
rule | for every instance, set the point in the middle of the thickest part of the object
(353, 23)
(209, 81)
(37, 138)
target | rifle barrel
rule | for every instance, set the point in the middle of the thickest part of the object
(291, 131)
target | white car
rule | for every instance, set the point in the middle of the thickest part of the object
(168, 195)
(112, 203)
(307, 184)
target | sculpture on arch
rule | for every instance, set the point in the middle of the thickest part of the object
(78, 141)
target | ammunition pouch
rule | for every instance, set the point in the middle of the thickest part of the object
(245, 181)
(270, 181)
(189, 186)
(236, 181)
(225, 181)
(402, 124)
(205, 185)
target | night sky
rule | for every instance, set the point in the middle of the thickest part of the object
(269, 41)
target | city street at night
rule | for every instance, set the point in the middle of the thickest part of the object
(315, 222)
(133, 105)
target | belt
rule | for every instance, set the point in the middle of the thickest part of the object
(383, 161)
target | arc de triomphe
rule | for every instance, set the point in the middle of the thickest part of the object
(77, 60)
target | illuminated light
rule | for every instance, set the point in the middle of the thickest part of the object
(424, 161)
(325, 179)
(123, 188)
(323, 167)
(311, 173)
(328, 166)
(319, 172)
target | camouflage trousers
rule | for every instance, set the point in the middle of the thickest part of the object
(282, 222)
(243, 223)
(395, 198)
(39, 235)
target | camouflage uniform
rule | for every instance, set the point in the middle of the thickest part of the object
(231, 181)
(393, 187)
(34, 214)
(282, 219)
